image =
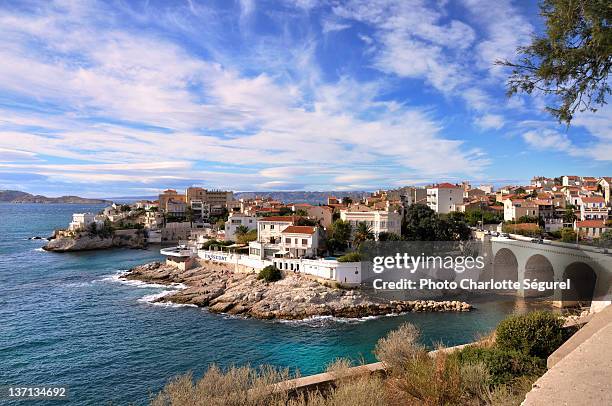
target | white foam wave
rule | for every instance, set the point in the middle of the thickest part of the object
(39, 249)
(118, 277)
(153, 297)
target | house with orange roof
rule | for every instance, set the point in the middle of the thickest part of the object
(299, 242)
(590, 228)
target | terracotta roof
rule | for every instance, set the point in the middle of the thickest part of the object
(445, 185)
(288, 219)
(594, 199)
(591, 223)
(299, 230)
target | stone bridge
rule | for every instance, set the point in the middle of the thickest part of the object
(589, 270)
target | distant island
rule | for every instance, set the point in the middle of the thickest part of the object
(16, 196)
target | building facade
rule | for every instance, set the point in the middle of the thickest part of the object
(444, 197)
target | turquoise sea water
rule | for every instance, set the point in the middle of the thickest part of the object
(65, 319)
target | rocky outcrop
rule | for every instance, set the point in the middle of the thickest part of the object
(294, 297)
(86, 242)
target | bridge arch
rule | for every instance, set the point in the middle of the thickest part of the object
(539, 267)
(505, 265)
(582, 279)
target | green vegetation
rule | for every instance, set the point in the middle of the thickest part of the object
(270, 274)
(338, 236)
(496, 371)
(385, 236)
(571, 60)
(423, 224)
(569, 216)
(363, 232)
(537, 334)
(350, 257)
(475, 217)
(568, 235)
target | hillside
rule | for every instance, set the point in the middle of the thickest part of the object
(16, 196)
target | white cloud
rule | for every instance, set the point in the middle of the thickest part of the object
(207, 112)
(549, 140)
(490, 122)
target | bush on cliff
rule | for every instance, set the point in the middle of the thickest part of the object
(270, 274)
(537, 334)
(350, 257)
(504, 365)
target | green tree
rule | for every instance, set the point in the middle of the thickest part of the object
(338, 235)
(569, 216)
(241, 230)
(419, 223)
(301, 213)
(606, 236)
(363, 232)
(571, 60)
(386, 236)
(568, 235)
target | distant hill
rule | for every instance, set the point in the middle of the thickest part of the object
(16, 196)
(303, 196)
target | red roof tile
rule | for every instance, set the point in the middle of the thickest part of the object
(299, 230)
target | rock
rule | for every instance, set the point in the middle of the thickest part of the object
(87, 242)
(294, 297)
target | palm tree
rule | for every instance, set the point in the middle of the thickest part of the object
(363, 232)
(241, 230)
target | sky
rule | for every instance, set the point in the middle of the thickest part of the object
(126, 98)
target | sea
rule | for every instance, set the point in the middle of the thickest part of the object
(67, 319)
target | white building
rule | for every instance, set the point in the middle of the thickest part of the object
(378, 220)
(200, 210)
(236, 220)
(81, 221)
(299, 241)
(269, 234)
(593, 208)
(444, 197)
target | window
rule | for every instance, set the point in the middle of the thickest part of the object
(287, 240)
(304, 241)
(271, 226)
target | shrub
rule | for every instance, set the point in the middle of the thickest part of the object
(399, 347)
(537, 334)
(504, 365)
(235, 387)
(350, 257)
(270, 274)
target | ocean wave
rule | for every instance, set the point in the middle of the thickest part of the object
(118, 278)
(319, 321)
(39, 249)
(152, 299)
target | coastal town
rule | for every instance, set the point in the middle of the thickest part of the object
(322, 239)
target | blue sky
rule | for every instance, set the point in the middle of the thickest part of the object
(122, 98)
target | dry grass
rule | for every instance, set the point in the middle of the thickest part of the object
(237, 386)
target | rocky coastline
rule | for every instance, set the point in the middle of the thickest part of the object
(87, 242)
(295, 297)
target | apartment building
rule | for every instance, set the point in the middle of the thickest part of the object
(378, 220)
(593, 208)
(444, 197)
(236, 220)
(517, 208)
(166, 196)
